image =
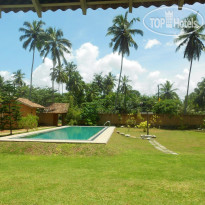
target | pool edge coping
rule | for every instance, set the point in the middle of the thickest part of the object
(102, 138)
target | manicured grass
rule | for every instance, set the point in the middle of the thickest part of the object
(125, 171)
(20, 131)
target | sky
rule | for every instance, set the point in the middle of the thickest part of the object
(154, 62)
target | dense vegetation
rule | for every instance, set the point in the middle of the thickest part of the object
(105, 94)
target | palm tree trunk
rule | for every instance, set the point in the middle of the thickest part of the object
(116, 99)
(31, 80)
(62, 88)
(125, 103)
(53, 84)
(187, 94)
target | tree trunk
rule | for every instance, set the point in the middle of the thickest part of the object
(62, 88)
(187, 95)
(53, 83)
(125, 100)
(31, 80)
(10, 123)
(116, 98)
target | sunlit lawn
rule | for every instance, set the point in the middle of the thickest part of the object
(125, 171)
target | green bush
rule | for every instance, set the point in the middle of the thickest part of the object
(143, 125)
(89, 113)
(73, 116)
(131, 122)
(28, 122)
(171, 107)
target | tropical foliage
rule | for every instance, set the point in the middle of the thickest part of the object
(33, 34)
(191, 38)
(122, 40)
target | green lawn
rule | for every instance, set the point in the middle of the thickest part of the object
(125, 171)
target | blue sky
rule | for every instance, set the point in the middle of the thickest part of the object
(146, 67)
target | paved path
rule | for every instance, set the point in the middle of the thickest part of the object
(160, 147)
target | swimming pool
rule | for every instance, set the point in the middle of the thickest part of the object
(69, 133)
(66, 134)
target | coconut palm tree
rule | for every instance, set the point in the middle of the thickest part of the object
(191, 38)
(56, 46)
(32, 37)
(109, 83)
(167, 91)
(18, 78)
(58, 74)
(122, 40)
(125, 88)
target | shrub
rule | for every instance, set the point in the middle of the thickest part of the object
(171, 107)
(28, 122)
(90, 113)
(143, 125)
(131, 122)
(73, 116)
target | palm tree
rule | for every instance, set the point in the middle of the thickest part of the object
(98, 82)
(56, 46)
(125, 88)
(75, 84)
(122, 40)
(109, 83)
(167, 91)
(1, 81)
(191, 38)
(18, 78)
(33, 35)
(58, 74)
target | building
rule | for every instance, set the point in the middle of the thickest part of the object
(28, 107)
(53, 113)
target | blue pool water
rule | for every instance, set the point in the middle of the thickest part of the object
(68, 133)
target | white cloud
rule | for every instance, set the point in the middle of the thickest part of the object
(154, 74)
(88, 62)
(41, 75)
(6, 75)
(152, 43)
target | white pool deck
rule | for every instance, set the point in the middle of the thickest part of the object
(102, 138)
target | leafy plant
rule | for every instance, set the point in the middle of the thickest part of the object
(73, 116)
(90, 113)
(9, 108)
(143, 125)
(28, 122)
(131, 121)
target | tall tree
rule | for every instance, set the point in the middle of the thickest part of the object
(109, 83)
(122, 40)
(59, 75)
(191, 38)
(56, 46)
(98, 83)
(75, 84)
(167, 91)
(200, 95)
(32, 37)
(125, 88)
(1, 81)
(18, 78)
(9, 109)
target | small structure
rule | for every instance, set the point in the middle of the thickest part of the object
(51, 114)
(28, 107)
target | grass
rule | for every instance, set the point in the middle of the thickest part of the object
(21, 131)
(125, 171)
